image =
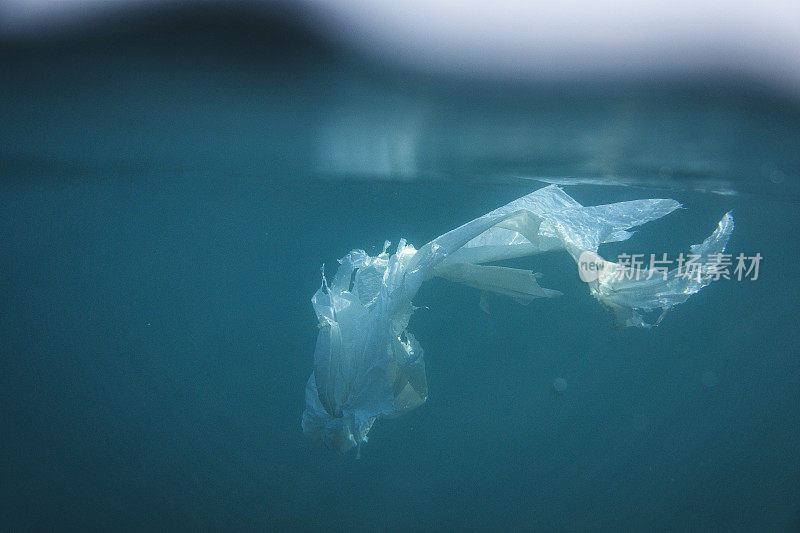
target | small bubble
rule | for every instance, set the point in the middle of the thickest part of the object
(709, 379)
(767, 168)
(559, 385)
(776, 176)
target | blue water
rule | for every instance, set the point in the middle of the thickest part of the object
(163, 219)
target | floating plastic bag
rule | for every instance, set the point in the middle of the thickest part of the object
(367, 365)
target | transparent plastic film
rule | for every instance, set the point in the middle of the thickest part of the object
(368, 366)
(631, 293)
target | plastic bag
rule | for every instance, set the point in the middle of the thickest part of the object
(367, 365)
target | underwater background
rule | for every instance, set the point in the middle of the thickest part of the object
(169, 192)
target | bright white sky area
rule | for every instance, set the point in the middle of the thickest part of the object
(527, 38)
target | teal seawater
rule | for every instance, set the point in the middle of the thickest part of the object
(164, 214)
(158, 335)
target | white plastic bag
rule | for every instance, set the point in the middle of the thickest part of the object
(368, 366)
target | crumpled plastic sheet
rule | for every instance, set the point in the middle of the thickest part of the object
(367, 365)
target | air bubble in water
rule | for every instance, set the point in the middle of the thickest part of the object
(559, 385)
